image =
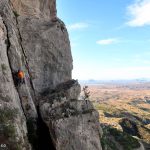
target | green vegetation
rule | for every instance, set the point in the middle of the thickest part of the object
(7, 115)
(4, 67)
(8, 131)
(16, 14)
(17, 147)
(106, 108)
(126, 123)
(124, 139)
(107, 144)
(115, 103)
(112, 136)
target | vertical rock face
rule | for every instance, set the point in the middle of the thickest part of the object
(46, 106)
(12, 120)
(47, 49)
(37, 8)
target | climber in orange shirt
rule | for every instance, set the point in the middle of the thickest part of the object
(20, 77)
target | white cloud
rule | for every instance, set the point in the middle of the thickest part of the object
(77, 26)
(107, 41)
(140, 13)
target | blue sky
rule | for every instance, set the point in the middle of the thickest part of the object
(110, 39)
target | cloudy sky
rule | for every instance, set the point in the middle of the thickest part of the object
(110, 39)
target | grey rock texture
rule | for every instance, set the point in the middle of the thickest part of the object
(34, 40)
(37, 8)
(73, 123)
(12, 119)
(46, 46)
(15, 54)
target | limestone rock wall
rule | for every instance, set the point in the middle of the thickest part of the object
(35, 8)
(47, 49)
(13, 129)
(34, 40)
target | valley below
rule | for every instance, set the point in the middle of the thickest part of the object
(124, 114)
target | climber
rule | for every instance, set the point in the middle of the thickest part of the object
(18, 77)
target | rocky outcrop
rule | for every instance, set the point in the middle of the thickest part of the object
(46, 106)
(73, 123)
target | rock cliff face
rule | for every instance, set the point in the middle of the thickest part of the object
(43, 113)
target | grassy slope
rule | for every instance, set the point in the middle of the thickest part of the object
(117, 102)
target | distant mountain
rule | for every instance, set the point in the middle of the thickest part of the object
(122, 81)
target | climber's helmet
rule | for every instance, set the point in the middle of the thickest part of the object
(20, 74)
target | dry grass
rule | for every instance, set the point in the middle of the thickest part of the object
(115, 102)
